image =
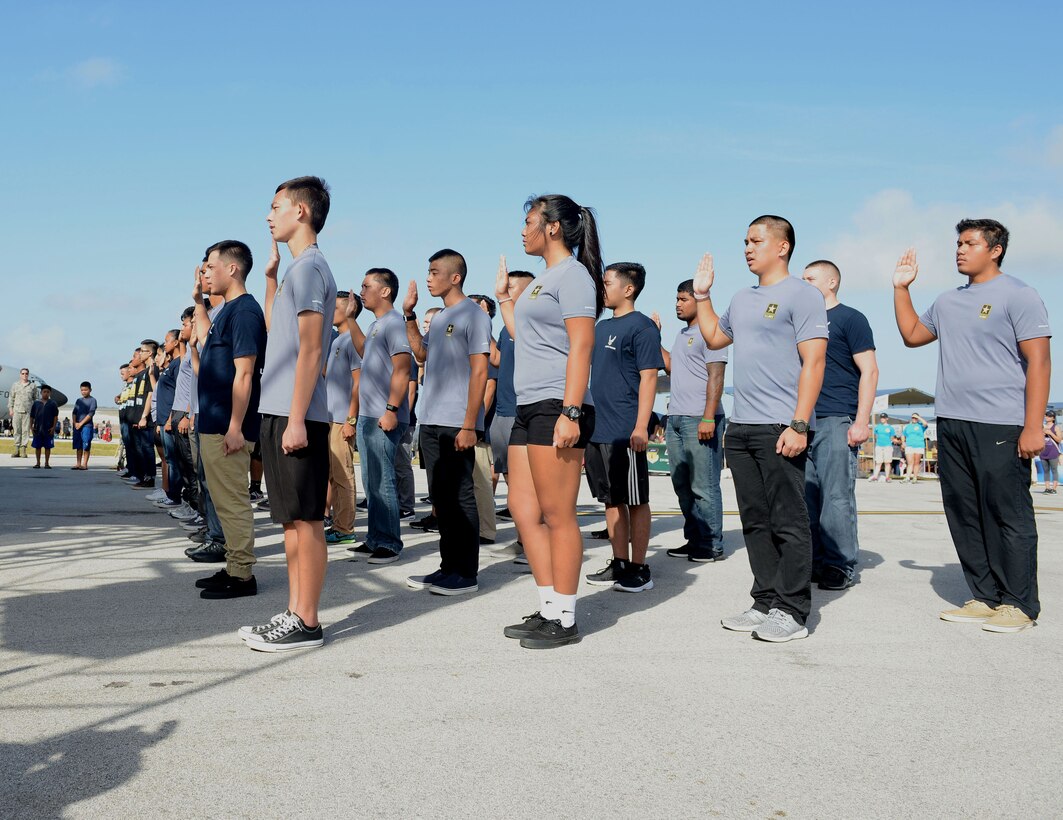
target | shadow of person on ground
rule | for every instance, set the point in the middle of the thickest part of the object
(946, 580)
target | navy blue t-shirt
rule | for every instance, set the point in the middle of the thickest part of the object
(239, 330)
(849, 334)
(505, 394)
(164, 391)
(623, 347)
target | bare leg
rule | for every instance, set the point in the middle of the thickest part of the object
(555, 474)
(291, 554)
(528, 516)
(616, 520)
(313, 561)
(640, 532)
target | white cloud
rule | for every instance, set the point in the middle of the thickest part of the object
(892, 220)
(96, 71)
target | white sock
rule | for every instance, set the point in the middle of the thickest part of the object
(548, 603)
(566, 605)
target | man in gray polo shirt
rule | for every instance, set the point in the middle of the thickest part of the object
(341, 385)
(994, 369)
(695, 431)
(779, 330)
(451, 417)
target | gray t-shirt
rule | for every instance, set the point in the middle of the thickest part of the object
(981, 373)
(343, 360)
(565, 291)
(307, 286)
(457, 332)
(182, 391)
(767, 324)
(690, 376)
(386, 338)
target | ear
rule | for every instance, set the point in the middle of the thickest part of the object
(996, 252)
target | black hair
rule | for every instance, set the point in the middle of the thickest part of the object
(313, 192)
(631, 272)
(521, 274)
(188, 313)
(123, 364)
(686, 286)
(491, 306)
(579, 231)
(152, 344)
(447, 253)
(87, 384)
(233, 250)
(780, 227)
(175, 332)
(992, 232)
(45, 387)
(388, 279)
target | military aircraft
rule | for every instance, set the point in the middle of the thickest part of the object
(9, 375)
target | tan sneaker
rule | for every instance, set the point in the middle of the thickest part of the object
(1008, 619)
(970, 612)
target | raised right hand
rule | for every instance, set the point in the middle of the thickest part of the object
(907, 269)
(410, 302)
(274, 262)
(704, 276)
(502, 279)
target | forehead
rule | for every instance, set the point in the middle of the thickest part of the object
(281, 198)
(971, 237)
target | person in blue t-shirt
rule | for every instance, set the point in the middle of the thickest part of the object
(44, 417)
(914, 433)
(883, 448)
(84, 410)
(627, 356)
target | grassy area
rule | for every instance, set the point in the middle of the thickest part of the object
(63, 447)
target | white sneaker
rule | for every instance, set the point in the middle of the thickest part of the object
(156, 495)
(746, 622)
(780, 628)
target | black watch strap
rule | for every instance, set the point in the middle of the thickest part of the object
(391, 407)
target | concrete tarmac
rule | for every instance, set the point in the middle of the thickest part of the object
(123, 694)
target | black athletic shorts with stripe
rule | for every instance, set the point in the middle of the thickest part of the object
(616, 474)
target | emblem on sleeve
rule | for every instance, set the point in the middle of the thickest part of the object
(535, 292)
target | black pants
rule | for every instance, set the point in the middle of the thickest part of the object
(771, 500)
(454, 500)
(185, 465)
(144, 444)
(985, 487)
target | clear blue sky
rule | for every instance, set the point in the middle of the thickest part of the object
(135, 136)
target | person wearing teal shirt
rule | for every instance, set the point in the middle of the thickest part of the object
(914, 433)
(883, 432)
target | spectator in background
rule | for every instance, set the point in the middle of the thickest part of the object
(23, 394)
(914, 446)
(1050, 453)
(44, 419)
(883, 433)
(84, 410)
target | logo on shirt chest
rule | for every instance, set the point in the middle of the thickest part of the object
(535, 292)
(773, 308)
(609, 344)
(984, 312)
(450, 330)
(690, 342)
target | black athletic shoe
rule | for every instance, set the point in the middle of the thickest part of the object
(701, 555)
(428, 524)
(835, 579)
(453, 584)
(145, 485)
(126, 474)
(486, 540)
(679, 552)
(362, 550)
(503, 512)
(199, 536)
(327, 522)
(426, 500)
(406, 514)
(550, 634)
(608, 575)
(212, 552)
(218, 579)
(635, 579)
(264, 504)
(383, 556)
(363, 504)
(425, 581)
(255, 496)
(290, 633)
(526, 627)
(601, 535)
(233, 588)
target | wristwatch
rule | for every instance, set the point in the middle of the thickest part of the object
(799, 426)
(352, 420)
(572, 412)
(391, 407)
(411, 318)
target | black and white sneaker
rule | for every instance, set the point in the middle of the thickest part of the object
(218, 579)
(254, 496)
(429, 524)
(232, 588)
(363, 504)
(264, 504)
(453, 584)
(608, 575)
(503, 512)
(679, 552)
(601, 535)
(425, 581)
(193, 524)
(383, 556)
(289, 634)
(635, 579)
(213, 552)
(245, 632)
(200, 536)
(404, 514)
(363, 550)
(550, 634)
(704, 555)
(327, 522)
(526, 627)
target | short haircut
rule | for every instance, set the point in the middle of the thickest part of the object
(992, 232)
(432, 311)
(152, 344)
(188, 313)
(631, 272)
(491, 306)
(313, 192)
(45, 387)
(236, 252)
(124, 366)
(87, 384)
(175, 332)
(388, 279)
(826, 263)
(461, 268)
(521, 274)
(686, 286)
(781, 228)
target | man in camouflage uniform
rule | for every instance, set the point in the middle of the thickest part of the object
(23, 394)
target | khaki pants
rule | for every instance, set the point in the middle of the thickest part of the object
(485, 492)
(21, 424)
(341, 480)
(227, 480)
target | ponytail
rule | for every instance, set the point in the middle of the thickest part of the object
(580, 231)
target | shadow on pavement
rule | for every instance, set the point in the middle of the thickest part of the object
(946, 580)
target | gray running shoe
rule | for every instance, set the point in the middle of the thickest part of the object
(780, 628)
(746, 622)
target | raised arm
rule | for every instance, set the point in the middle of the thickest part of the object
(913, 332)
(656, 317)
(272, 266)
(505, 301)
(357, 336)
(420, 352)
(708, 321)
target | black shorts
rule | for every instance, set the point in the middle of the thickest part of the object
(256, 453)
(617, 474)
(535, 424)
(297, 483)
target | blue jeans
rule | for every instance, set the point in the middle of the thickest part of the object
(696, 479)
(830, 495)
(207, 510)
(173, 473)
(376, 452)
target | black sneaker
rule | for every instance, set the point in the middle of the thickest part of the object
(609, 575)
(635, 579)
(403, 514)
(550, 634)
(601, 535)
(363, 504)
(234, 588)
(199, 536)
(425, 581)
(703, 555)
(680, 552)
(255, 496)
(383, 556)
(362, 550)
(526, 627)
(264, 504)
(453, 584)
(142, 485)
(245, 632)
(835, 579)
(290, 633)
(218, 579)
(426, 500)
(486, 540)
(503, 512)
(327, 522)
(428, 524)
(212, 552)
